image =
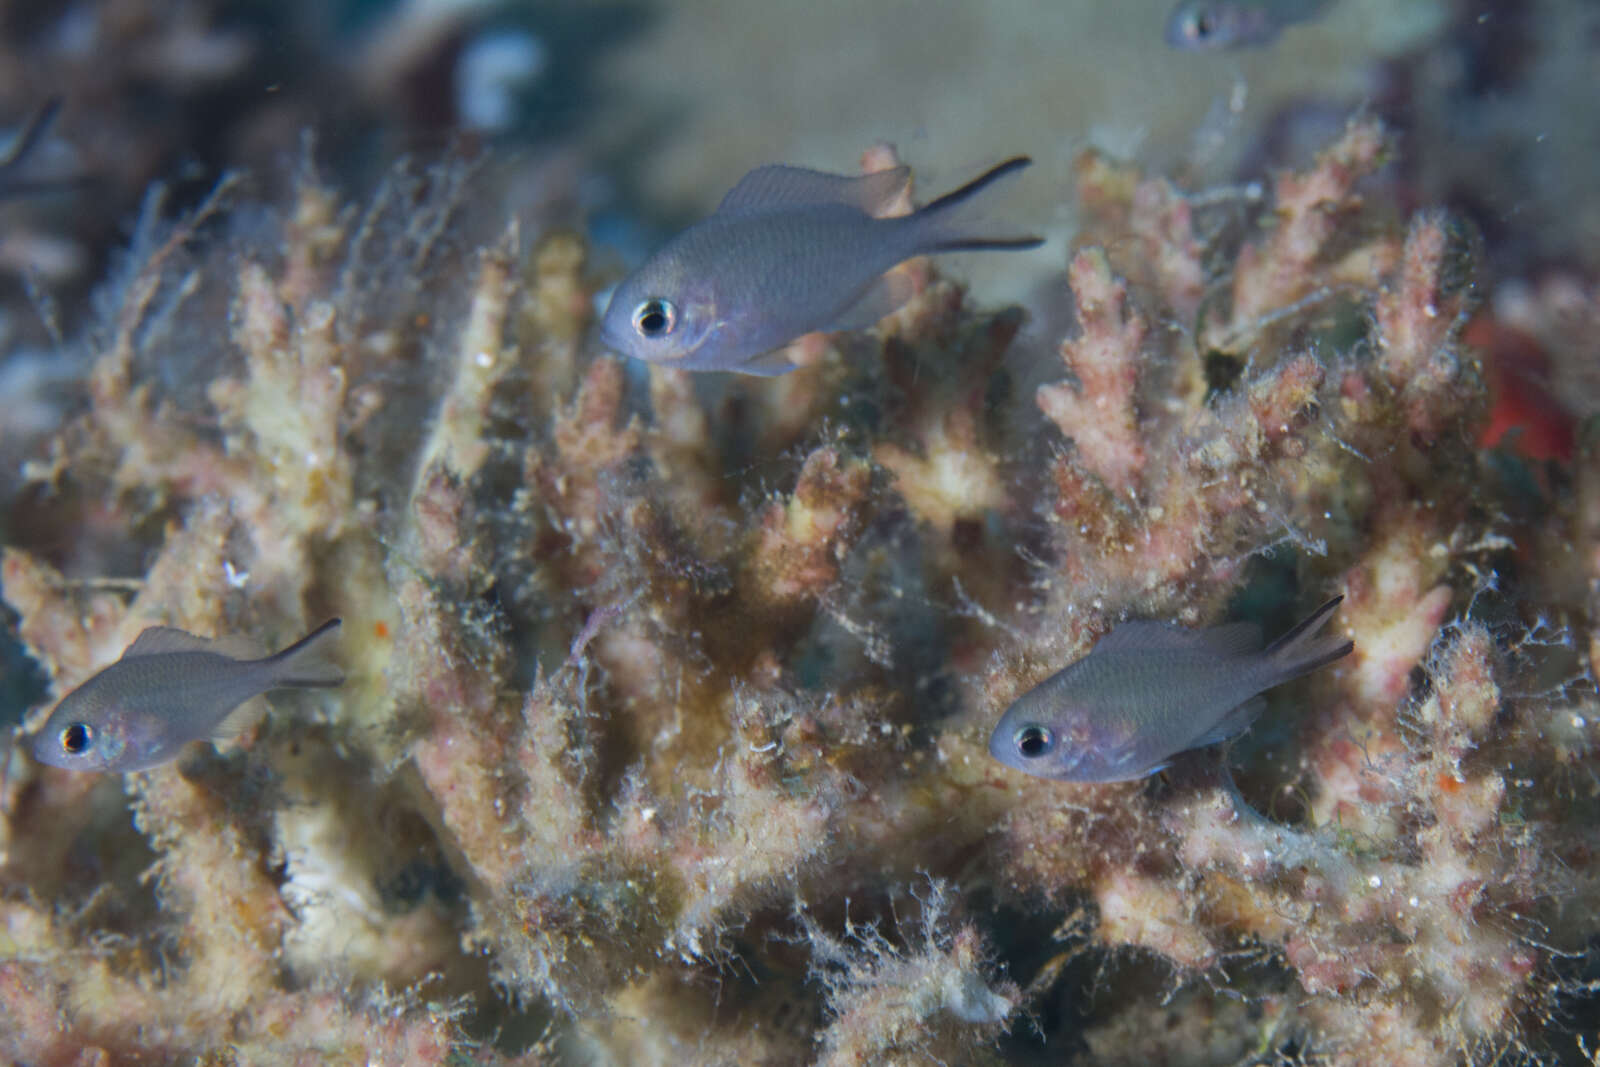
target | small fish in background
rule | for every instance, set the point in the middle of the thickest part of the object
(788, 252)
(1214, 25)
(1150, 690)
(168, 689)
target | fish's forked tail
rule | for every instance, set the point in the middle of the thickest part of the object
(307, 664)
(954, 224)
(1305, 648)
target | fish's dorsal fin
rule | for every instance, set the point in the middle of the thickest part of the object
(1229, 639)
(1233, 638)
(237, 646)
(779, 186)
(156, 640)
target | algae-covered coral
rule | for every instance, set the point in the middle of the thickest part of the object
(664, 737)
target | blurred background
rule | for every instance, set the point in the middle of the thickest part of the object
(631, 118)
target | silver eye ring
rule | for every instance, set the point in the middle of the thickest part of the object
(655, 318)
(1034, 741)
(76, 738)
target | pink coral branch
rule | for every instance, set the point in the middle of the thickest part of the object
(1098, 412)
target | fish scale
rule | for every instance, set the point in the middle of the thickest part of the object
(1194, 683)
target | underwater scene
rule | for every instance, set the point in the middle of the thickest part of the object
(861, 532)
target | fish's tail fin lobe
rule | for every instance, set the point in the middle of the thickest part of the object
(1305, 648)
(307, 664)
(954, 226)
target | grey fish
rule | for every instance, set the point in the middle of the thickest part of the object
(1213, 25)
(168, 689)
(787, 252)
(1150, 690)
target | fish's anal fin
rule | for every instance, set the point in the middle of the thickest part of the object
(886, 294)
(778, 186)
(240, 720)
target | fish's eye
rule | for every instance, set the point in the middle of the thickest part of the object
(1034, 741)
(76, 738)
(655, 317)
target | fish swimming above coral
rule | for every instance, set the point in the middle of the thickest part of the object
(1150, 690)
(788, 252)
(1214, 25)
(168, 689)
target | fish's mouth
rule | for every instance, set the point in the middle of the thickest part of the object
(611, 340)
(996, 752)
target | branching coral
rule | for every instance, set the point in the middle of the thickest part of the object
(637, 663)
(890, 1005)
(1404, 902)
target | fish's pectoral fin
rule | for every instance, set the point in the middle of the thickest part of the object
(1118, 757)
(1233, 723)
(883, 296)
(767, 364)
(779, 186)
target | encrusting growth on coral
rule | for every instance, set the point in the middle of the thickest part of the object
(1105, 361)
(664, 735)
(931, 1001)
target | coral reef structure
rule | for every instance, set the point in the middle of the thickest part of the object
(664, 732)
